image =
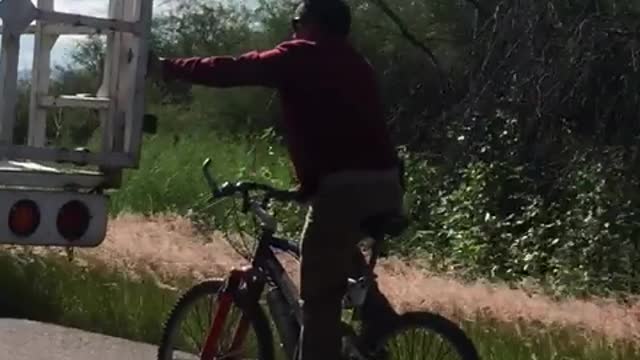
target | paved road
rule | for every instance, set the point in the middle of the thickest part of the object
(30, 340)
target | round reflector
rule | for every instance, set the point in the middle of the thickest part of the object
(73, 220)
(24, 218)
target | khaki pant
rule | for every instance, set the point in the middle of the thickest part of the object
(330, 254)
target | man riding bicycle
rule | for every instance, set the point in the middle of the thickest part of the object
(339, 145)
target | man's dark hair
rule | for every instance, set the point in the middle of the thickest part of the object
(334, 16)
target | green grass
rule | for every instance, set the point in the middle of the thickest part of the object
(51, 289)
(97, 299)
(524, 341)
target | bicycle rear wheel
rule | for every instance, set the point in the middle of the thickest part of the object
(197, 311)
(426, 336)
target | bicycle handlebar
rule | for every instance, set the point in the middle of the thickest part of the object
(244, 187)
(259, 210)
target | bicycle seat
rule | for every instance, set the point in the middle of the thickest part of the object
(385, 224)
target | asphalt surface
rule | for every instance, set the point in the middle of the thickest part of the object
(30, 340)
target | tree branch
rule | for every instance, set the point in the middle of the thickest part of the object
(410, 37)
(481, 9)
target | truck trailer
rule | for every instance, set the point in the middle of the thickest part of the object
(55, 196)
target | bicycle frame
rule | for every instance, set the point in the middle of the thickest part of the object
(265, 268)
(251, 280)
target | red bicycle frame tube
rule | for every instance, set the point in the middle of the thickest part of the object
(254, 289)
(210, 348)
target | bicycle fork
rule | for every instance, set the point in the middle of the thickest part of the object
(286, 324)
(225, 299)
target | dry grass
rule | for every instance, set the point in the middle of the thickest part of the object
(168, 248)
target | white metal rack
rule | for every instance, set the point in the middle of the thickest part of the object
(119, 100)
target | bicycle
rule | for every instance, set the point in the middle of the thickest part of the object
(244, 287)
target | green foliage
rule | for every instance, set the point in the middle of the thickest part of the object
(493, 220)
(524, 167)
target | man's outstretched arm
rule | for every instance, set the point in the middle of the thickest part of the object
(266, 68)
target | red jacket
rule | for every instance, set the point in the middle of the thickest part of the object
(332, 113)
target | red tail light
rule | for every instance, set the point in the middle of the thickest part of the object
(73, 220)
(24, 218)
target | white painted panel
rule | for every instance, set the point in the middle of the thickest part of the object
(112, 119)
(60, 29)
(8, 86)
(140, 49)
(29, 174)
(88, 21)
(40, 75)
(70, 101)
(117, 160)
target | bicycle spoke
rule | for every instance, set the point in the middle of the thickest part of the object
(447, 352)
(196, 344)
(195, 336)
(208, 313)
(422, 343)
(439, 349)
(412, 344)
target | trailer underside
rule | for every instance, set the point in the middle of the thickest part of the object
(30, 174)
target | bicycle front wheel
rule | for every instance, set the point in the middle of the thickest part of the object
(244, 334)
(424, 335)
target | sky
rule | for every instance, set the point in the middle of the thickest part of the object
(61, 50)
